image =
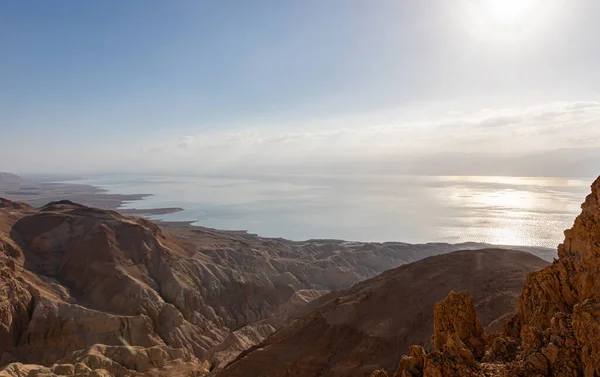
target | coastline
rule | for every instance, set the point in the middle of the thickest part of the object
(40, 193)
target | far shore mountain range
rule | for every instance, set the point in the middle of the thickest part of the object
(90, 290)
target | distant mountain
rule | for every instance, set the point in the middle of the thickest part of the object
(10, 178)
(553, 163)
(573, 162)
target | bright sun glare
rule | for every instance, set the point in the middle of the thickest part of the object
(508, 11)
(506, 20)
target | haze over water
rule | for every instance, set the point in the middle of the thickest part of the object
(416, 209)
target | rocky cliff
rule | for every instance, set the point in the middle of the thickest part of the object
(555, 332)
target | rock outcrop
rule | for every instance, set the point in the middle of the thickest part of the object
(555, 332)
(457, 341)
(558, 311)
(454, 321)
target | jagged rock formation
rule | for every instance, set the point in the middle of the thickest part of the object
(457, 341)
(558, 311)
(556, 331)
(352, 332)
(455, 322)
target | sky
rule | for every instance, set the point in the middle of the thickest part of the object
(431, 87)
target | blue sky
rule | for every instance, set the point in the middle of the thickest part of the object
(173, 84)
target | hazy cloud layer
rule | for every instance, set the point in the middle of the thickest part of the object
(440, 144)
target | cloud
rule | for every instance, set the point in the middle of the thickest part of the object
(500, 120)
(347, 142)
(155, 149)
(548, 114)
(185, 141)
(564, 109)
(511, 130)
(287, 137)
(182, 142)
(245, 135)
(583, 105)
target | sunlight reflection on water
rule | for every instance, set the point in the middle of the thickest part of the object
(501, 210)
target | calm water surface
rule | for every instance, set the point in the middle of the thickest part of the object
(500, 210)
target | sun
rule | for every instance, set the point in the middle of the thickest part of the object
(508, 12)
(506, 20)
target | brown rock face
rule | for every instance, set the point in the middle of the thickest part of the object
(457, 341)
(454, 319)
(413, 364)
(558, 311)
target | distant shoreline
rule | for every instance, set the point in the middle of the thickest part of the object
(40, 193)
(149, 211)
(454, 211)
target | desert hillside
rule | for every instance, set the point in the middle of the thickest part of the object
(358, 330)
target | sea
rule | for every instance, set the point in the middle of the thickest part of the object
(530, 211)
